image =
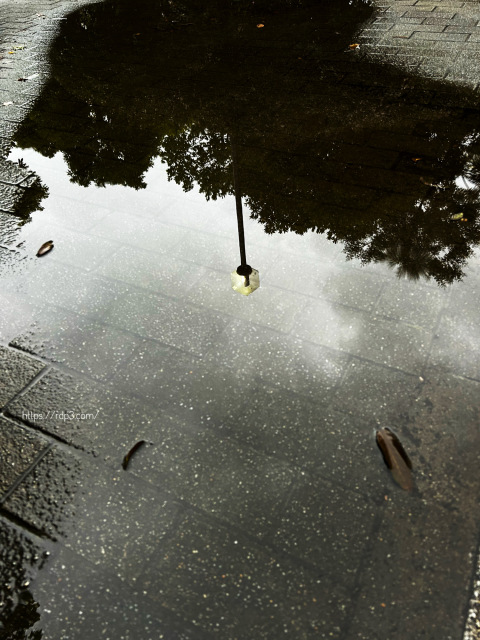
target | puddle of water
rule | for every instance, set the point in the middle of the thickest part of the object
(337, 158)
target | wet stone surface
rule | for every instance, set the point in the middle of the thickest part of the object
(18, 369)
(21, 557)
(19, 451)
(258, 504)
(224, 580)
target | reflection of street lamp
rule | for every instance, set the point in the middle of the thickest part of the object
(245, 279)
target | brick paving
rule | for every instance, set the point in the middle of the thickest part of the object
(257, 516)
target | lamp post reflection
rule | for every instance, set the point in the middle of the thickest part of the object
(245, 279)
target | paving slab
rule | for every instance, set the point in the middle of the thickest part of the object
(406, 588)
(172, 322)
(77, 342)
(20, 449)
(232, 586)
(356, 332)
(280, 360)
(21, 558)
(18, 369)
(309, 436)
(79, 605)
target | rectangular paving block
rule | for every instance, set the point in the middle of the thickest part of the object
(19, 449)
(215, 474)
(365, 335)
(280, 360)
(311, 437)
(271, 306)
(45, 497)
(173, 322)
(149, 270)
(327, 526)
(78, 598)
(413, 584)
(16, 371)
(228, 584)
(21, 558)
(376, 393)
(89, 347)
(171, 379)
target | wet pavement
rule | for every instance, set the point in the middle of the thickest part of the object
(259, 505)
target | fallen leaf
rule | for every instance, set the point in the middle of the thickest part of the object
(395, 458)
(135, 448)
(45, 248)
(355, 45)
(457, 216)
(259, 26)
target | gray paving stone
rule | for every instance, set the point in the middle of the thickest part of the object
(19, 451)
(17, 315)
(70, 288)
(69, 409)
(81, 344)
(101, 420)
(406, 588)
(326, 526)
(279, 360)
(412, 304)
(17, 370)
(444, 456)
(76, 249)
(170, 321)
(353, 288)
(365, 335)
(142, 232)
(455, 344)
(236, 484)
(124, 521)
(376, 393)
(160, 273)
(79, 599)
(170, 378)
(45, 498)
(229, 585)
(311, 437)
(210, 250)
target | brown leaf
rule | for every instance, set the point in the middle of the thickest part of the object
(135, 448)
(45, 248)
(395, 458)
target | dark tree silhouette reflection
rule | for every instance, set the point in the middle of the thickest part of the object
(327, 141)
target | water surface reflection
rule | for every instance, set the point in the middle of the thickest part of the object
(327, 141)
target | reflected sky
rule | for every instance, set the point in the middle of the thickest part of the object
(327, 140)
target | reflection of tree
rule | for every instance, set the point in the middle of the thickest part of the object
(29, 199)
(19, 562)
(131, 81)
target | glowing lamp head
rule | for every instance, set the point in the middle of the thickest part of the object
(245, 280)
